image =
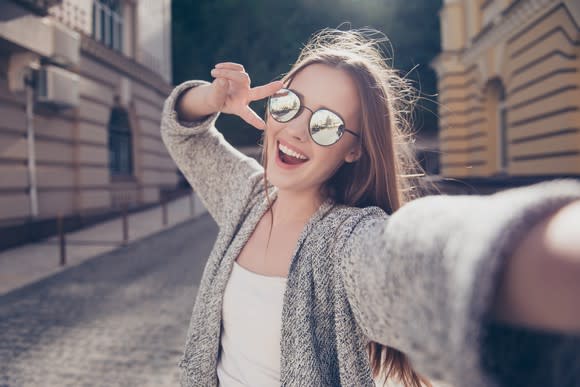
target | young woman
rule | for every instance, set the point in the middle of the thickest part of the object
(317, 261)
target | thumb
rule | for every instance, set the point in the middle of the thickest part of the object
(220, 82)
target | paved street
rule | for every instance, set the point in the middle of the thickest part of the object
(117, 320)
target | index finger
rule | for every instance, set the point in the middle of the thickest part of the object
(264, 91)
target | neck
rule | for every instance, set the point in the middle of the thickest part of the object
(292, 206)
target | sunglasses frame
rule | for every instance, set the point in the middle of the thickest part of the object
(299, 111)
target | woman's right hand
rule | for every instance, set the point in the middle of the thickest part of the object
(231, 92)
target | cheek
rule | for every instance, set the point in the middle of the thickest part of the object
(335, 154)
(269, 136)
(329, 162)
(272, 130)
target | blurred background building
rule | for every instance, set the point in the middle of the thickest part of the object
(82, 83)
(509, 88)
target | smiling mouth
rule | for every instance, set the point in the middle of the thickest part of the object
(288, 156)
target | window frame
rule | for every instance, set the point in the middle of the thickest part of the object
(120, 143)
(108, 23)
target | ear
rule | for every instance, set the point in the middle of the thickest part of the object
(353, 155)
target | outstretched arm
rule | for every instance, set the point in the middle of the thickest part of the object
(426, 280)
(540, 286)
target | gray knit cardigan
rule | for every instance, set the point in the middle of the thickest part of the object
(419, 280)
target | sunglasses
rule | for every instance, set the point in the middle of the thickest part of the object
(325, 126)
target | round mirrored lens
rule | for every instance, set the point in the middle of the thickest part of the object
(326, 127)
(284, 105)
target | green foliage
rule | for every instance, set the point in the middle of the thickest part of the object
(266, 36)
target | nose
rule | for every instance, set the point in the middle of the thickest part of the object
(298, 127)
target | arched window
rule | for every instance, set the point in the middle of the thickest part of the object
(497, 121)
(120, 149)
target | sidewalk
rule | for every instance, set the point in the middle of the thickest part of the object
(29, 263)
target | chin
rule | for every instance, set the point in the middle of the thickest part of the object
(280, 182)
(288, 183)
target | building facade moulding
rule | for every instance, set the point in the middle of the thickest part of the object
(29, 32)
(574, 8)
(124, 92)
(127, 66)
(491, 64)
(447, 62)
(506, 24)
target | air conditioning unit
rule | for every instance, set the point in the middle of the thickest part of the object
(65, 48)
(57, 87)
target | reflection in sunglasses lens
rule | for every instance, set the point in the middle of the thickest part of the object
(284, 105)
(325, 127)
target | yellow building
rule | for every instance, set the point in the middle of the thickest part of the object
(509, 88)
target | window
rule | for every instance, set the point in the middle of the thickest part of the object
(120, 149)
(503, 139)
(108, 23)
(497, 122)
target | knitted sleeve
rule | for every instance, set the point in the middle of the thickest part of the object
(222, 176)
(422, 280)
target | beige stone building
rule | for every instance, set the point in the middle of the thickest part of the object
(509, 88)
(82, 83)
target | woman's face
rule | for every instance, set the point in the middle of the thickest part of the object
(320, 86)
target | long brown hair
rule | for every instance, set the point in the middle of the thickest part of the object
(386, 174)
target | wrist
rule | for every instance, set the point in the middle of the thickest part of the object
(192, 104)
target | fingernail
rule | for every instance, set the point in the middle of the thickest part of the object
(221, 82)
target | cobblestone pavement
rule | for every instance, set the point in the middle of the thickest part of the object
(117, 320)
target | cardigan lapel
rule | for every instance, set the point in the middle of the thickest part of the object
(213, 303)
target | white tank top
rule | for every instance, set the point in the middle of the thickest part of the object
(251, 326)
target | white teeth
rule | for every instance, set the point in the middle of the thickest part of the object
(290, 152)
